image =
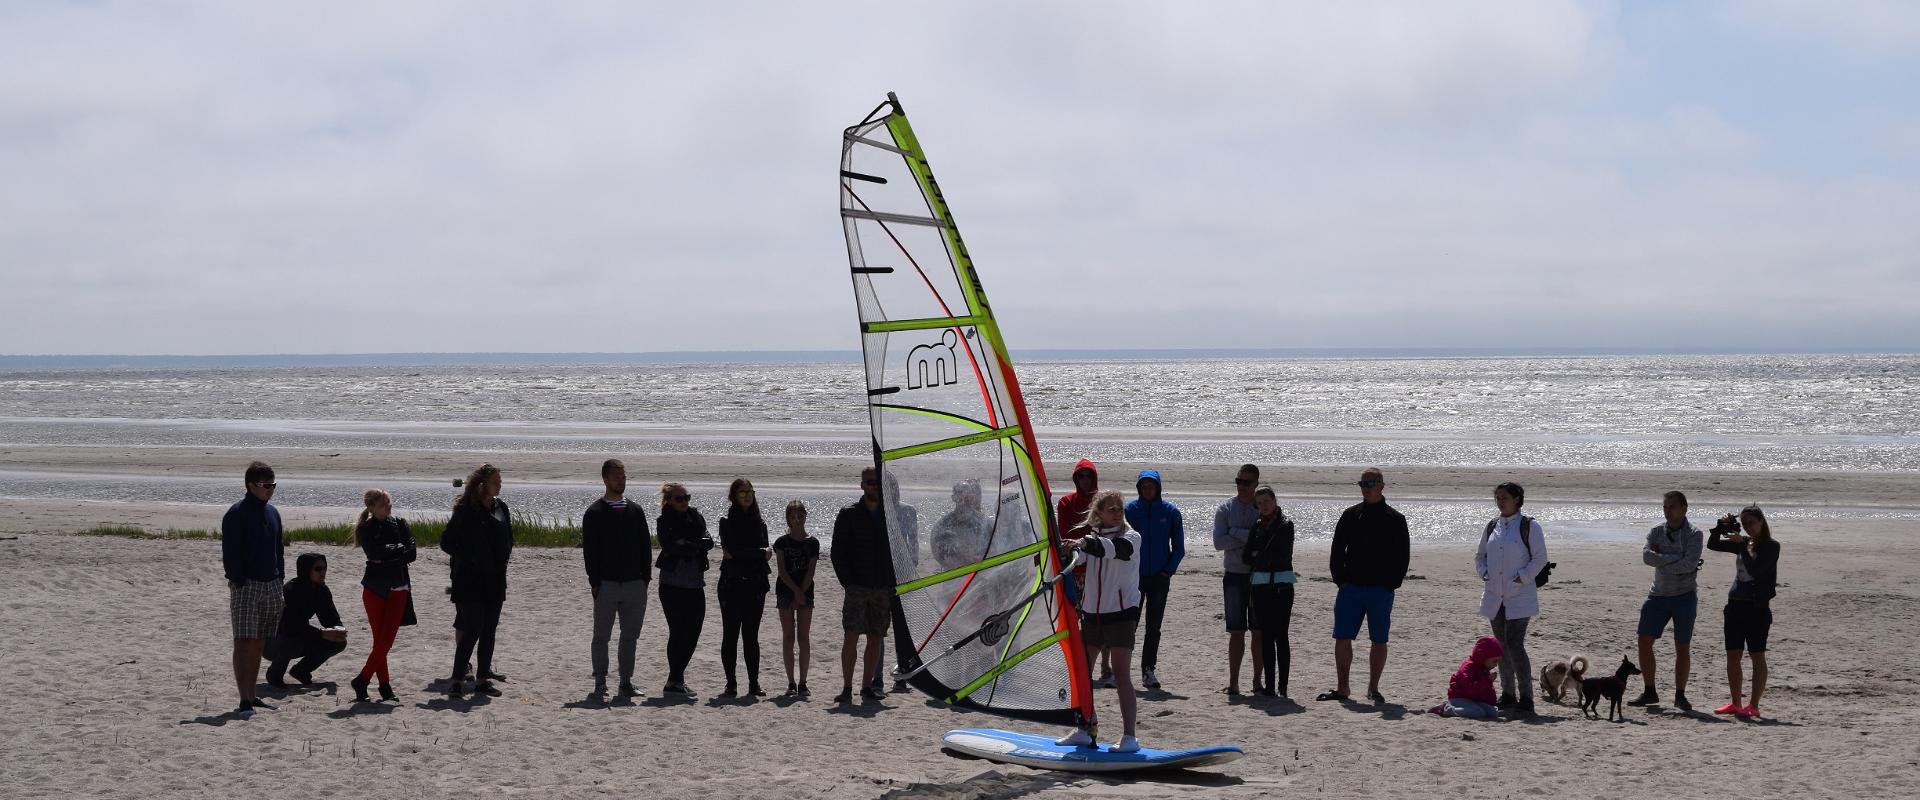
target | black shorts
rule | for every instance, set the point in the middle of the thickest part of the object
(1747, 625)
(1114, 629)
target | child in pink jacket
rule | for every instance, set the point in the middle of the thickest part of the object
(1470, 691)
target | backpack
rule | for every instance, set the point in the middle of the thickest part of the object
(1526, 528)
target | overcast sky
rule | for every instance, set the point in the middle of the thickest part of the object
(199, 178)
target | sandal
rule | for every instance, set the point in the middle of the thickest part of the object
(1376, 698)
(1330, 695)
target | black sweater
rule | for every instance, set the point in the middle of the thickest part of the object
(1270, 546)
(306, 600)
(390, 542)
(860, 552)
(1370, 547)
(743, 536)
(1757, 574)
(615, 543)
(478, 545)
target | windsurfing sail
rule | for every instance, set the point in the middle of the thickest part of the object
(980, 618)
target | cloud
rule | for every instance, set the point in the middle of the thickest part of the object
(432, 176)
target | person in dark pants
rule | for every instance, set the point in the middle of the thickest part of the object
(1748, 616)
(684, 545)
(479, 543)
(307, 597)
(385, 588)
(1368, 562)
(1269, 556)
(743, 588)
(1163, 537)
(618, 551)
(252, 556)
(863, 564)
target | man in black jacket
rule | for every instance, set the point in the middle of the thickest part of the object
(251, 556)
(619, 556)
(1368, 563)
(863, 563)
(306, 597)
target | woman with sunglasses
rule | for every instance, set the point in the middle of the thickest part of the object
(385, 588)
(1512, 552)
(684, 544)
(743, 583)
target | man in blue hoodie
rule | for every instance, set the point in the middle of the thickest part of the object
(252, 554)
(1162, 544)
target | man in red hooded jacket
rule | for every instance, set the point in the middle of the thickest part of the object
(1070, 513)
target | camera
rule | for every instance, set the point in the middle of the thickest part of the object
(1728, 524)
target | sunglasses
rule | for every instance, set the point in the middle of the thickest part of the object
(1244, 481)
(1368, 484)
(746, 492)
(680, 498)
(267, 485)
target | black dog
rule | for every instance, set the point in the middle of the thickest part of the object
(1610, 687)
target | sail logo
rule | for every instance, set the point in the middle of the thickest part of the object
(936, 364)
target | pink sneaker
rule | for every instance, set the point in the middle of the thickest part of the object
(1750, 712)
(1730, 708)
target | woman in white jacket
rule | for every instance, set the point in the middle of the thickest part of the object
(1512, 551)
(1110, 605)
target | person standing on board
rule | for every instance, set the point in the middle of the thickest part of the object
(386, 590)
(864, 567)
(1512, 552)
(743, 586)
(1110, 606)
(1232, 523)
(253, 556)
(1070, 513)
(1368, 562)
(1163, 537)
(618, 551)
(684, 545)
(478, 543)
(1673, 550)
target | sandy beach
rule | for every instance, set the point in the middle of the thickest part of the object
(118, 650)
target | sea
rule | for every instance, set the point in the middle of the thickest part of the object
(1818, 412)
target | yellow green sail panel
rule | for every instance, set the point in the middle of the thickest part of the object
(968, 512)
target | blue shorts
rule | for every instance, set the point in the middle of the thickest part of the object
(1237, 587)
(1352, 603)
(1680, 609)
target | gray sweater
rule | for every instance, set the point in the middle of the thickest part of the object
(1676, 565)
(1233, 522)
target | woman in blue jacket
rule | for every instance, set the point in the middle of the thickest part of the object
(1162, 544)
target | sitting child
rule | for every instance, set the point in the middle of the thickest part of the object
(1470, 691)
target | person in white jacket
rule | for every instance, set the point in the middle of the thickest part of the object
(1110, 606)
(1512, 551)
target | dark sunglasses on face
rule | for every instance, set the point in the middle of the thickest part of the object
(1243, 481)
(680, 498)
(1369, 484)
(268, 485)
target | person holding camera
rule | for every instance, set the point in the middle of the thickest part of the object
(684, 545)
(1673, 550)
(1748, 614)
(1512, 553)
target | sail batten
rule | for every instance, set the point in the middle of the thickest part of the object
(981, 618)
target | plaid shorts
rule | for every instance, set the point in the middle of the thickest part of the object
(256, 609)
(866, 611)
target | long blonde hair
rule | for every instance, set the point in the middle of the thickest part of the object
(372, 498)
(1100, 499)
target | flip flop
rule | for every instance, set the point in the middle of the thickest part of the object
(1376, 698)
(1330, 695)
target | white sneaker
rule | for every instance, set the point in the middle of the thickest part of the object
(1127, 744)
(1079, 738)
(1150, 680)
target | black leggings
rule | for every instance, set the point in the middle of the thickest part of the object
(685, 608)
(1272, 615)
(742, 604)
(475, 622)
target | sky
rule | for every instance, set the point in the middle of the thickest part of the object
(234, 178)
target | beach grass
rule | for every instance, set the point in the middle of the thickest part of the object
(527, 532)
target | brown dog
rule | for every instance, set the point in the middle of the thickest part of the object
(1558, 678)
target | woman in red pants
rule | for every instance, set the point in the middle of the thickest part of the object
(385, 587)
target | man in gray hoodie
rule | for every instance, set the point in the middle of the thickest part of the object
(1232, 524)
(1673, 550)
